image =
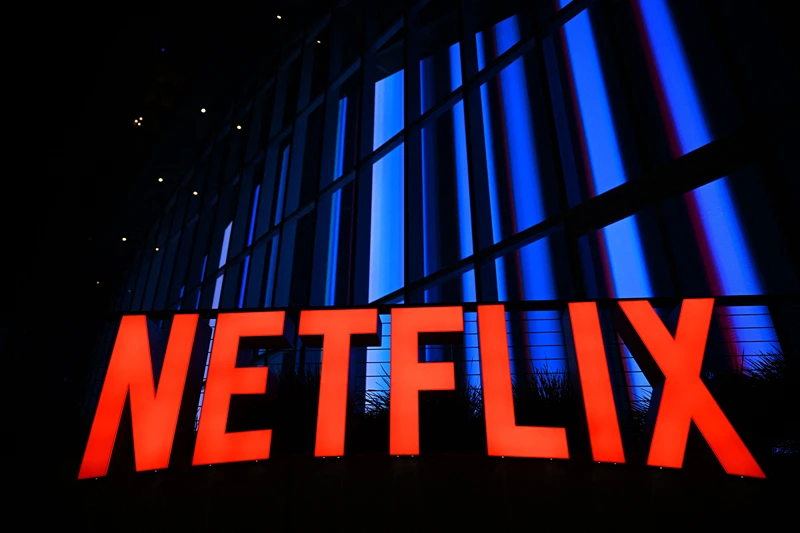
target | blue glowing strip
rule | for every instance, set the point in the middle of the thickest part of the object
(386, 224)
(256, 194)
(217, 291)
(243, 282)
(226, 240)
(598, 124)
(340, 137)
(180, 297)
(627, 265)
(734, 265)
(273, 257)
(282, 184)
(333, 244)
(336, 202)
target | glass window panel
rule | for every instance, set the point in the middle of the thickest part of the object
(215, 171)
(170, 251)
(440, 66)
(445, 210)
(460, 288)
(591, 93)
(346, 133)
(304, 178)
(389, 102)
(728, 239)
(386, 244)
(294, 268)
(333, 247)
(626, 259)
(183, 255)
(243, 215)
(523, 190)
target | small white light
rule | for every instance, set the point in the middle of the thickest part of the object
(156, 248)
(338, 457)
(398, 456)
(279, 17)
(661, 468)
(160, 180)
(195, 193)
(124, 239)
(551, 458)
(502, 457)
(140, 118)
(98, 283)
(138, 123)
(238, 126)
(742, 477)
(203, 110)
(319, 42)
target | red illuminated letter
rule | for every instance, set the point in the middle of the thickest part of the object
(335, 327)
(409, 376)
(601, 414)
(214, 445)
(684, 397)
(503, 435)
(154, 414)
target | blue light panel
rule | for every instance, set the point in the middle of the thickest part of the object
(387, 243)
(282, 184)
(623, 249)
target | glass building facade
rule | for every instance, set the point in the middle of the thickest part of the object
(528, 153)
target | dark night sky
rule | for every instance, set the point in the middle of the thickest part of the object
(85, 181)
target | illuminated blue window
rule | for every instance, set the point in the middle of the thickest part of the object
(226, 240)
(389, 106)
(621, 244)
(446, 219)
(282, 184)
(387, 241)
(516, 195)
(246, 266)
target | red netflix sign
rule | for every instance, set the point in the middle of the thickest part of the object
(684, 397)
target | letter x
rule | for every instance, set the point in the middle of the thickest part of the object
(684, 397)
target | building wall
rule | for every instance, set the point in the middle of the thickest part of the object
(522, 152)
